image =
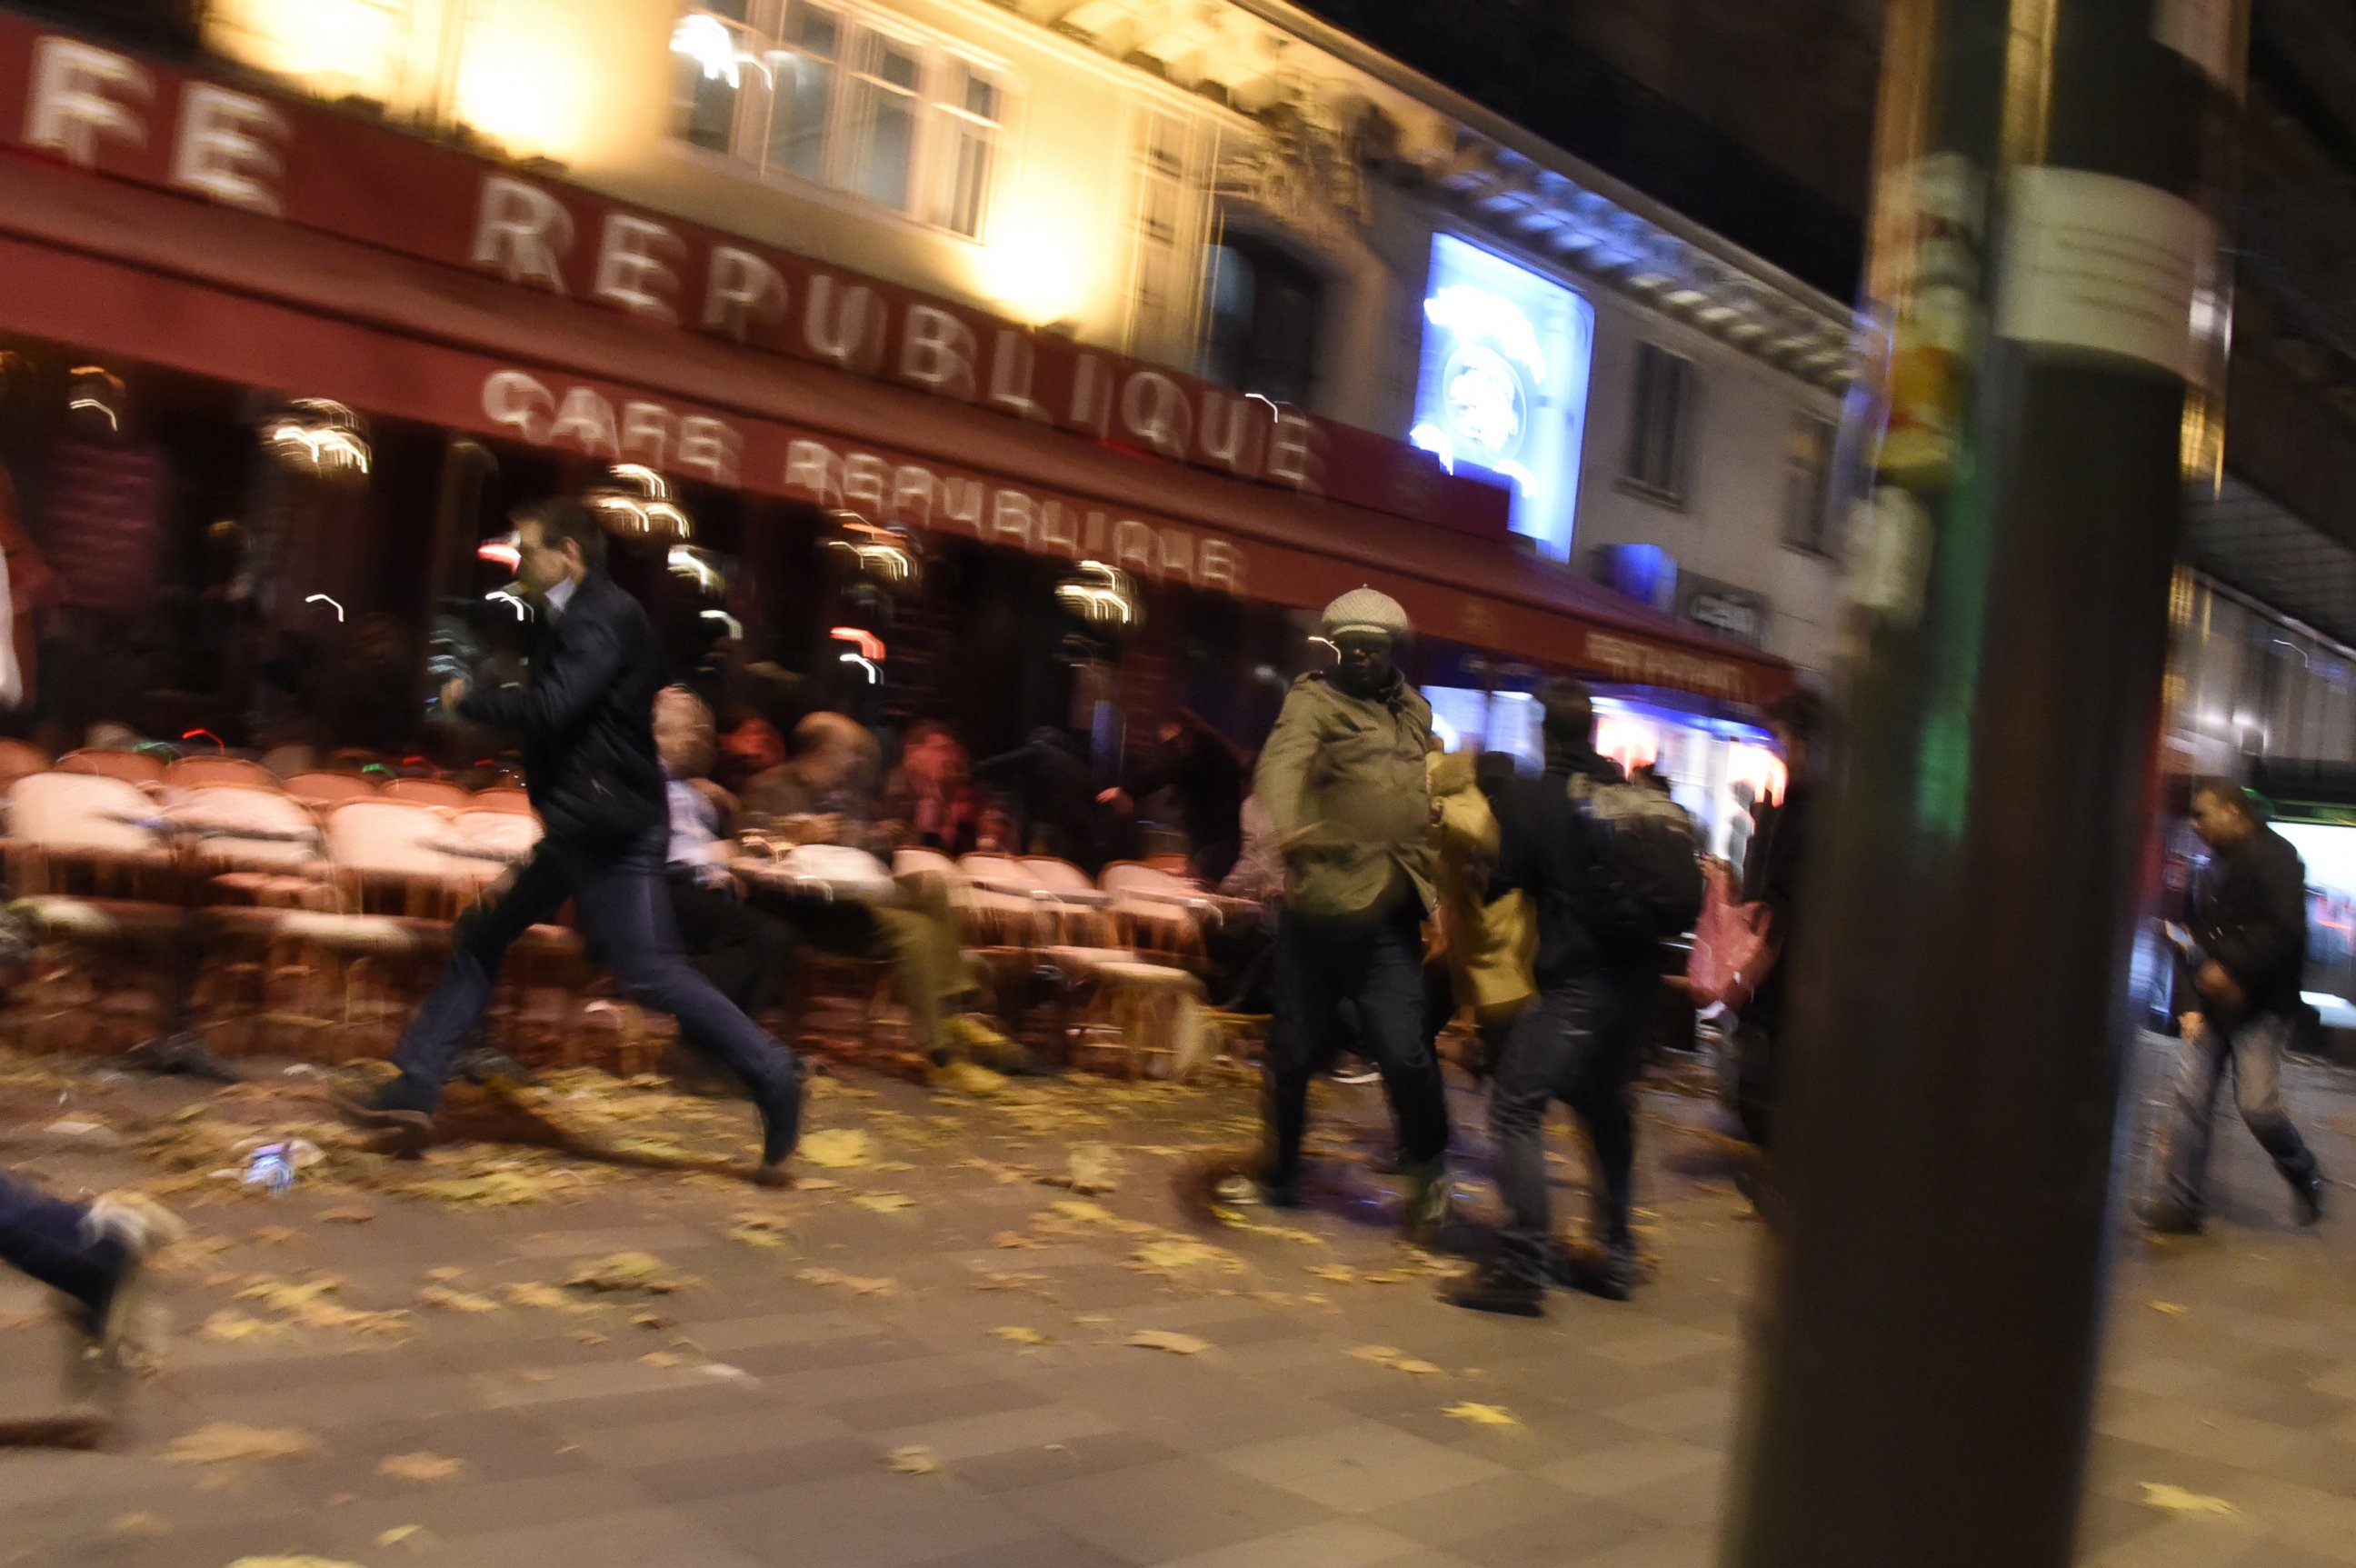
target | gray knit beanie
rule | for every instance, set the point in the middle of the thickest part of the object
(1365, 610)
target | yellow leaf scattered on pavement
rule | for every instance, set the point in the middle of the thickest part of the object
(1397, 1360)
(228, 1327)
(2169, 1308)
(854, 1283)
(1162, 1339)
(398, 1534)
(446, 1273)
(835, 1148)
(914, 1461)
(450, 1300)
(885, 1202)
(347, 1216)
(533, 1293)
(1178, 1255)
(627, 1271)
(2177, 1501)
(1016, 1240)
(226, 1440)
(1084, 1211)
(1339, 1273)
(1017, 1336)
(660, 1359)
(420, 1467)
(272, 1236)
(1483, 1414)
(757, 1236)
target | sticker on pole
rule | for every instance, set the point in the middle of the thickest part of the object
(2102, 265)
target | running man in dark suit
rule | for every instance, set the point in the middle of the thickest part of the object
(585, 721)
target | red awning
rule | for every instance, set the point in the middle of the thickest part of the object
(127, 271)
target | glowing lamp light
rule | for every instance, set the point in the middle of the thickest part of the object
(331, 604)
(192, 734)
(1033, 271)
(706, 40)
(869, 645)
(874, 676)
(728, 623)
(685, 561)
(513, 601)
(635, 500)
(1100, 596)
(320, 436)
(503, 553)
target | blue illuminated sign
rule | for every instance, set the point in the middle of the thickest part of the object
(1504, 387)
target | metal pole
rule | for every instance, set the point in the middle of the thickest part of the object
(2044, 252)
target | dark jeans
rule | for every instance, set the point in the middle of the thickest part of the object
(1572, 1044)
(741, 950)
(43, 1237)
(1375, 960)
(2253, 1048)
(625, 910)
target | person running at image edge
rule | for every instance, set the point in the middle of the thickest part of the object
(586, 723)
(1577, 1042)
(92, 1254)
(1343, 778)
(2249, 934)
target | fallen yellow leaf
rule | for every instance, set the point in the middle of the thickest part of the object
(1162, 1339)
(347, 1216)
(757, 1236)
(661, 1359)
(228, 1327)
(834, 1148)
(224, 1441)
(1482, 1414)
(274, 1235)
(885, 1202)
(2177, 1501)
(398, 1534)
(1015, 1238)
(420, 1467)
(2169, 1308)
(914, 1461)
(450, 1300)
(1022, 1337)
(446, 1273)
(627, 1271)
(533, 1293)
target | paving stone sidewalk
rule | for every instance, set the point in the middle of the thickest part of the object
(925, 1361)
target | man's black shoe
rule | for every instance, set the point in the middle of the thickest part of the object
(781, 1129)
(1610, 1274)
(398, 1113)
(494, 1068)
(1496, 1290)
(2307, 1199)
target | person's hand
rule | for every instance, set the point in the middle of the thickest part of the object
(2188, 1024)
(454, 692)
(2219, 986)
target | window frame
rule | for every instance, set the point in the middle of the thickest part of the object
(940, 129)
(1819, 539)
(1673, 488)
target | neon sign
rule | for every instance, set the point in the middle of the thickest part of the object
(1503, 388)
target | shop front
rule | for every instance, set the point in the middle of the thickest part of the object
(354, 350)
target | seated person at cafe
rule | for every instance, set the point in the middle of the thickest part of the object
(741, 950)
(821, 796)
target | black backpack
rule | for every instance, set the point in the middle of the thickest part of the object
(1652, 855)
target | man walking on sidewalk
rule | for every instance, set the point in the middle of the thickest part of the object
(2249, 950)
(1342, 777)
(585, 720)
(1577, 1042)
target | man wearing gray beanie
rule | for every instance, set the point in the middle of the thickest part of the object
(1342, 777)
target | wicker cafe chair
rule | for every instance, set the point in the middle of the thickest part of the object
(429, 792)
(1160, 912)
(319, 789)
(131, 767)
(253, 855)
(100, 881)
(194, 772)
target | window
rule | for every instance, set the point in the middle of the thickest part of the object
(1656, 438)
(1264, 318)
(1808, 481)
(1169, 209)
(838, 97)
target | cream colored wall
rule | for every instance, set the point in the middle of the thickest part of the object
(589, 82)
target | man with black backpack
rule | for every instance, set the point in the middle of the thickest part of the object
(1610, 875)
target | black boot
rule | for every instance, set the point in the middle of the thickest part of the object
(1610, 1272)
(400, 1114)
(1500, 1290)
(781, 1129)
(2307, 1199)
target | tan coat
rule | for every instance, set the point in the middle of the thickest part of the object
(1342, 780)
(1491, 947)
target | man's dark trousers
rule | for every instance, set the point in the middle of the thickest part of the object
(623, 907)
(1376, 961)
